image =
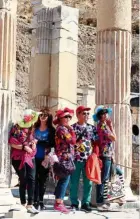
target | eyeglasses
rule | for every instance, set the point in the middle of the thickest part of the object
(44, 115)
(67, 117)
(85, 114)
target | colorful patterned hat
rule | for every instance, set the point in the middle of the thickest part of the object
(101, 109)
(29, 118)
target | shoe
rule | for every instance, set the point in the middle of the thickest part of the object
(32, 210)
(103, 207)
(43, 207)
(61, 208)
(36, 205)
(74, 207)
(86, 208)
(92, 205)
(120, 201)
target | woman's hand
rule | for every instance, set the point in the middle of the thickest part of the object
(109, 122)
(113, 159)
(69, 127)
(28, 149)
(45, 162)
(33, 145)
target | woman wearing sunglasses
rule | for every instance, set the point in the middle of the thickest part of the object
(45, 134)
(65, 141)
(23, 150)
(107, 136)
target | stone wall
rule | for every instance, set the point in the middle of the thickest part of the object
(135, 185)
(135, 169)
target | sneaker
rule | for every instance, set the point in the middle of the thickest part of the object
(120, 201)
(75, 207)
(36, 205)
(86, 208)
(32, 210)
(103, 207)
(43, 207)
(61, 208)
(92, 205)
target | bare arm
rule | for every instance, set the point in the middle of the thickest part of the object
(20, 147)
(111, 135)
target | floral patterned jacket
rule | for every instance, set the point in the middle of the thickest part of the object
(65, 140)
(22, 136)
(105, 144)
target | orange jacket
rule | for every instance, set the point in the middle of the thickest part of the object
(93, 169)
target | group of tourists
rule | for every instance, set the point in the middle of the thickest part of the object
(33, 141)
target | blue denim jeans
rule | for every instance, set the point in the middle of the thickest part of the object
(61, 187)
(105, 175)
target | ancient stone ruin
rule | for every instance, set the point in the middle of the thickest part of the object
(7, 83)
(53, 74)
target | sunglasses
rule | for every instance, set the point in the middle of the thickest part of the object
(85, 114)
(44, 115)
(67, 117)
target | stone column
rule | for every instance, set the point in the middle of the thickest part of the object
(54, 58)
(89, 99)
(113, 64)
(7, 82)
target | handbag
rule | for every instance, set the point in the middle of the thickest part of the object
(63, 168)
(114, 188)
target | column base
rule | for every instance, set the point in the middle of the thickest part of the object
(130, 197)
(6, 197)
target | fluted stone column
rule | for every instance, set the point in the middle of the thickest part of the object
(54, 57)
(7, 82)
(113, 64)
(89, 99)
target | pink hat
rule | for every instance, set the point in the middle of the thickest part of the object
(61, 113)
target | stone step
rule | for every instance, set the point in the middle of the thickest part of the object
(50, 198)
(6, 197)
(50, 212)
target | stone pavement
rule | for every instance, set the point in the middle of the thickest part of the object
(124, 214)
(20, 212)
(8, 196)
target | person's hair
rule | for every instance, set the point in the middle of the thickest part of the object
(49, 122)
(101, 112)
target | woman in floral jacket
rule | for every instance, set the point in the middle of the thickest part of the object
(65, 141)
(23, 150)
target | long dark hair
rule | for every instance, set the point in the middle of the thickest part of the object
(49, 122)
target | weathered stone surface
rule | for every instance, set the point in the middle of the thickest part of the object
(89, 100)
(7, 85)
(55, 42)
(113, 62)
(40, 4)
(114, 15)
(7, 52)
(135, 181)
(10, 5)
(113, 67)
(6, 198)
(40, 76)
(56, 30)
(6, 114)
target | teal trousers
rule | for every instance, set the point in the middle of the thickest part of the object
(74, 185)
